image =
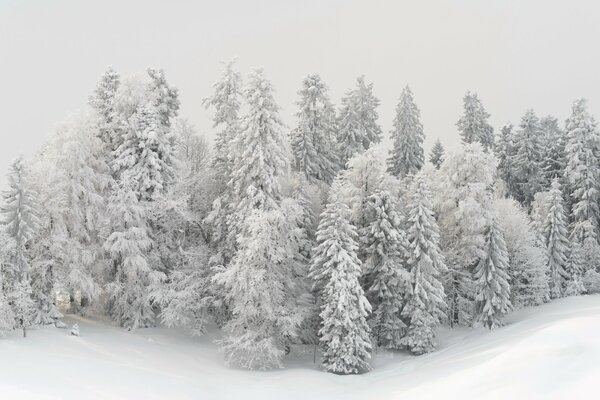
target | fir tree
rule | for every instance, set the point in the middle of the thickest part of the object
(313, 145)
(582, 173)
(261, 292)
(527, 160)
(575, 266)
(505, 152)
(425, 300)
(344, 333)
(554, 142)
(436, 157)
(491, 279)
(473, 125)
(406, 155)
(386, 276)
(102, 101)
(226, 100)
(131, 277)
(557, 242)
(357, 123)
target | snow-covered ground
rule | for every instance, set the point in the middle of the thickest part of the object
(549, 352)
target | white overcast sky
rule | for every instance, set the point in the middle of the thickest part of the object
(516, 55)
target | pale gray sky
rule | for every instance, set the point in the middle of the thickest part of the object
(516, 55)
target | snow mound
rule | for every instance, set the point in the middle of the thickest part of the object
(548, 352)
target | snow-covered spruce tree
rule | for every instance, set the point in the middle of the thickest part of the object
(473, 124)
(436, 157)
(527, 160)
(385, 274)
(505, 152)
(406, 155)
(582, 173)
(78, 151)
(127, 245)
(20, 212)
(357, 121)
(425, 299)
(554, 141)
(7, 317)
(265, 316)
(463, 201)
(336, 270)
(575, 267)
(260, 284)
(492, 281)
(313, 142)
(557, 242)
(527, 255)
(102, 102)
(164, 97)
(226, 101)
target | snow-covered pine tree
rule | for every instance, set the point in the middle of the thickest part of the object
(20, 221)
(505, 152)
(492, 281)
(357, 121)
(7, 317)
(527, 160)
(436, 157)
(145, 158)
(131, 276)
(265, 315)
(164, 97)
(575, 267)
(336, 270)
(260, 283)
(582, 173)
(526, 253)
(463, 201)
(554, 141)
(385, 272)
(78, 152)
(557, 242)
(473, 124)
(425, 300)
(102, 102)
(406, 156)
(313, 142)
(226, 100)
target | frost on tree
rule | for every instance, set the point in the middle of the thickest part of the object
(425, 299)
(557, 242)
(406, 156)
(260, 288)
(265, 315)
(20, 220)
(575, 268)
(226, 101)
(554, 142)
(357, 121)
(7, 316)
(526, 253)
(102, 102)
(527, 160)
(463, 200)
(436, 157)
(336, 269)
(473, 124)
(385, 273)
(492, 281)
(130, 276)
(582, 174)
(313, 142)
(505, 152)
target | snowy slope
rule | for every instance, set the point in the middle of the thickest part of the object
(552, 351)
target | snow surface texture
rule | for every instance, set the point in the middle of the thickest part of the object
(547, 352)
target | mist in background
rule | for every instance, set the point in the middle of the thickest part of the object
(515, 54)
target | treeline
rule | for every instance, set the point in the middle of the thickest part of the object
(305, 236)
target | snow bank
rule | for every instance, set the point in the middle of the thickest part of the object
(548, 352)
